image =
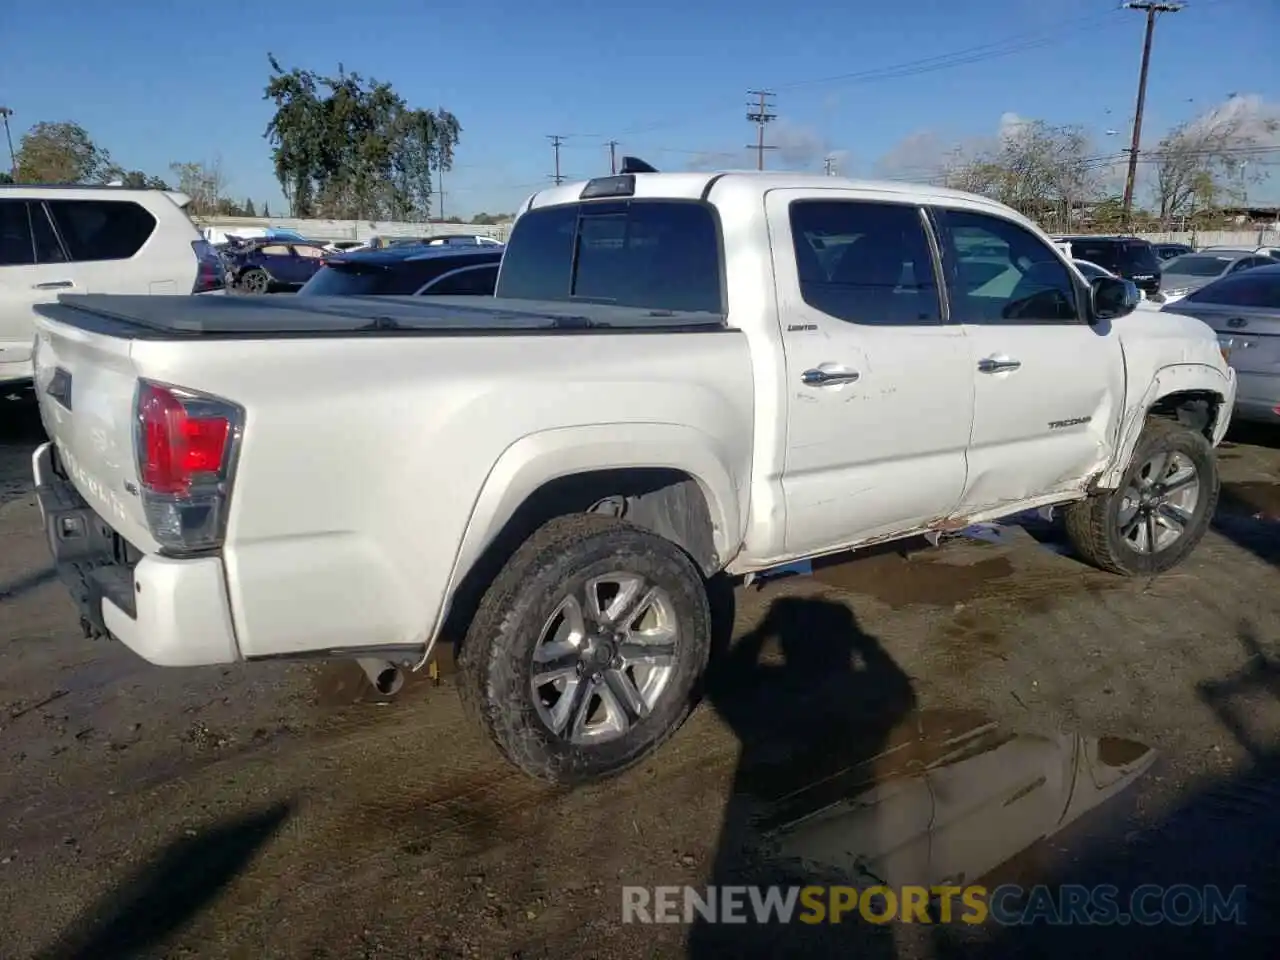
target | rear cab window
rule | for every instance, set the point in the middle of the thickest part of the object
(656, 254)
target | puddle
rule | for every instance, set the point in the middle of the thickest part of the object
(901, 581)
(1258, 499)
(951, 797)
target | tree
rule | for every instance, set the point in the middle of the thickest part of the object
(5, 177)
(248, 208)
(488, 219)
(137, 180)
(204, 183)
(1042, 171)
(266, 210)
(1198, 165)
(349, 147)
(62, 153)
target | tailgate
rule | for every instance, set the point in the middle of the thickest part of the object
(85, 383)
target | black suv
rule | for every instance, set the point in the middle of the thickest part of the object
(1129, 257)
(409, 270)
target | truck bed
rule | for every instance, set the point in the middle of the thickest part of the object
(238, 318)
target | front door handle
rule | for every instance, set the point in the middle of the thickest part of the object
(826, 378)
(52, 285)
(998, 364)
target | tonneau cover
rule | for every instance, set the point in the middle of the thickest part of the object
(146, 317)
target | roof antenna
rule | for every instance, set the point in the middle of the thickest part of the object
(635, 165)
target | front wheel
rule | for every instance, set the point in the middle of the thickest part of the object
(1160, 511)
(584, 653)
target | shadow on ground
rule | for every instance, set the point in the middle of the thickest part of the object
(168, 891)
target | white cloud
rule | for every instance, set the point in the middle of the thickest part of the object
(795, 147)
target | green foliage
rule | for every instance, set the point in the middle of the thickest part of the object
(5, 177)
(348, 147)
(248, 208)
(137, 180)
(487, 219)
(62, 153)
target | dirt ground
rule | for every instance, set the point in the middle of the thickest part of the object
(285, 811)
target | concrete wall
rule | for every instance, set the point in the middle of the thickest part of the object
(352, 229)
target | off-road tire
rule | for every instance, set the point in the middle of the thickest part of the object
(496, 658)
(1092, 525)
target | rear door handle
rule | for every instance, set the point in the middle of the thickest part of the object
(998, 364)
(52, 285)
(818, 377)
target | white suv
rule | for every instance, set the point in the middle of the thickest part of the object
(56, 239)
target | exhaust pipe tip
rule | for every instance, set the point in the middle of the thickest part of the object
(385, 676)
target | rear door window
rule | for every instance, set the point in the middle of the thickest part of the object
(659, 254)
(865, 263)
(102, 229)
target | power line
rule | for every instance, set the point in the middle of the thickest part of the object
(556, 141)
(758, 113)
(1152, 8)
(1007, 46)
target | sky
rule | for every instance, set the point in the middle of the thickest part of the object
(882, 87)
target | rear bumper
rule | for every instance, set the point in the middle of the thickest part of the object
(1257, 396)
(174, 613)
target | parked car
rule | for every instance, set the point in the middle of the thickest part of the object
(1167, 251)
(105, 239)
(670, 385)
(1244, 309)
(1190, 272)
(1129, 257)
(408, 271)
(1266, 251)
(262, 266)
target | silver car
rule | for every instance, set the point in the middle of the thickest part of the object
(1191, 271)
(1244, 309)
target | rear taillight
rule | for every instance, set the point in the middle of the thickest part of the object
(210, 273)
(186, 445)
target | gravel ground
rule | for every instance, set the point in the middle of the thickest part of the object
(285, 811)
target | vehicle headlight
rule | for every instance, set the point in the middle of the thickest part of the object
(1224, 344)
(1177, 292)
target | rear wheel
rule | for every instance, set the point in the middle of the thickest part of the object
(1160, 511)
(255, 281)
(583, 656)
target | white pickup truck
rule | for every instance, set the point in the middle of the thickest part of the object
(683, 375)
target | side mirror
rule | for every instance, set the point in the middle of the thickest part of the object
(1111, 297)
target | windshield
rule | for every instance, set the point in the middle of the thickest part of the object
(659, 254)
(1196, 266)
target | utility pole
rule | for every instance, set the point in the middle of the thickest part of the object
(5, 114)
(760, 115)
(829, 166)
(1151, 8)
(556, 141)
(613, 156)
(440, 186)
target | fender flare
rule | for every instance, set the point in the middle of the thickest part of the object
(1168, 380)
(538, 458)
